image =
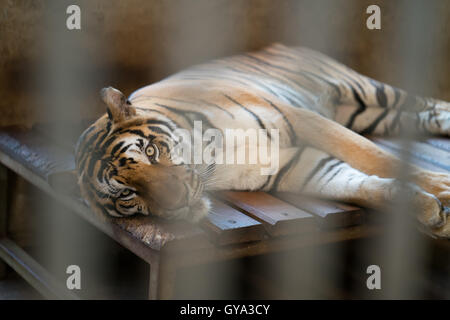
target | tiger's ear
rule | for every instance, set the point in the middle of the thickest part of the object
(118, 107)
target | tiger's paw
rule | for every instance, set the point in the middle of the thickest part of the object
(431, 213)
(436, 183)
(443, 231)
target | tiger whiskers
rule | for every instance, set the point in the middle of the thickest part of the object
(214, 182)
(206, 172)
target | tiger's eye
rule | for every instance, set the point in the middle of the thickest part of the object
(125, 193)
(150, 151)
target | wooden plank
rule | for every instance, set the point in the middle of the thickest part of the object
(277, 244)
(227, 225)
(33, 272)
(279, 217)
(420, 150)
(33, 151)
(328, 214)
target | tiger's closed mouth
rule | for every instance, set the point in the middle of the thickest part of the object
(193, 212)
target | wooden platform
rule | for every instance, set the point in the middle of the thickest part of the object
(241, 223)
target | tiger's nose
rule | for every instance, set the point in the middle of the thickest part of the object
(173, 194)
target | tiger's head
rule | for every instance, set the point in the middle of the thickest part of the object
(125, 165)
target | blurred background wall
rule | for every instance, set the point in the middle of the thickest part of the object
(128, 44)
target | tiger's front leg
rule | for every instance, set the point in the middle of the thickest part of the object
(318, 174)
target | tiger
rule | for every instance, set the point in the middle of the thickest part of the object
(321, 109)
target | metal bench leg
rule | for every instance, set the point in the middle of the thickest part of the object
(3, 213)
(162, 278)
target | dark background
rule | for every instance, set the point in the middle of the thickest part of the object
(132, 43)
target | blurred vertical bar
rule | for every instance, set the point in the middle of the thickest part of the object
(323, 25)
(65, 79)
(198, 31)
(3, 212)
(402, 251)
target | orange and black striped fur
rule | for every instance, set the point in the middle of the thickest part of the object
(320, 108)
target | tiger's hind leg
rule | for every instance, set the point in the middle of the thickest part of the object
(390, 122)
(316, 173)
(380, 109)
